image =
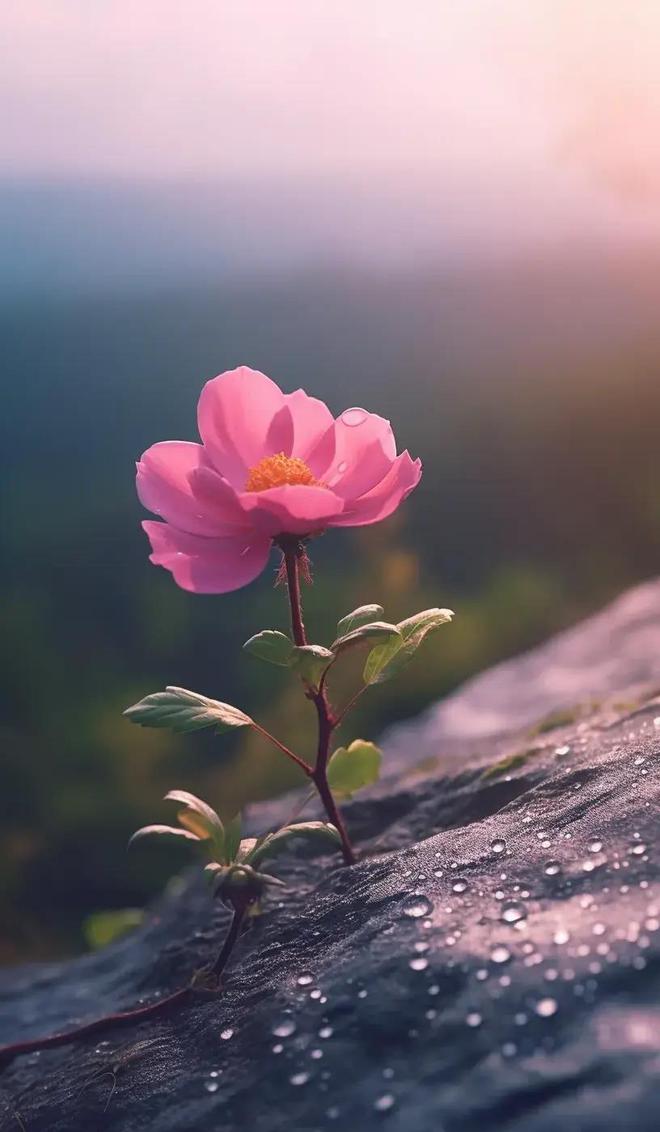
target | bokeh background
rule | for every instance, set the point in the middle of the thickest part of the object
(446, 212)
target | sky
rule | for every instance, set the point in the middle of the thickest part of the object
(390, 126)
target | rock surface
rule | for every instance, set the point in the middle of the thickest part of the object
(494, 962)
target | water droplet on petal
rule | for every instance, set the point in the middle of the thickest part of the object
(354, 417)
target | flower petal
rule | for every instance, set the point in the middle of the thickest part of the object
(294, 509)
(176, 482)
(364, 451)
(240, 420)
(383, 499)
(207, 565)
(311, 419)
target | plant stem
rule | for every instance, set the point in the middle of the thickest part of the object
(285, 750)
(293, 550)
(230, 940)
(129, 1017)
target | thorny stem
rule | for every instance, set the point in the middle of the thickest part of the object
(293, 551)
(136, 1015)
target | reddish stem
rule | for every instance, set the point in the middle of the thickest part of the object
(129, 1017)
(293, 550)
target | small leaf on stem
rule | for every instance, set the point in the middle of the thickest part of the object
(167, 830)
(387, 659)
(274, 842)
(369, 634)
(181, 710)
(271, 646)
(311, 661)
(361, 616)
(351, 768)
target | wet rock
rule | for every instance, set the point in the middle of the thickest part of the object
(495, 962)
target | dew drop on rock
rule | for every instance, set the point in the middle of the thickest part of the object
(384, 1103)
(498, 845)
(546, 1007)
(561, 936)
(305, 979)
(552, 868)
(285, 1028)
(500, 954)
(211, 1086)
(226, 1034)
(513, 911)
(325, 1032)
(416, 906)
(638, 850)
(459, 885)
(419, 963)
(595, 846)
(473, 1019)
(299, 1078)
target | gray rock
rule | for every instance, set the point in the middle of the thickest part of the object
(494, 962)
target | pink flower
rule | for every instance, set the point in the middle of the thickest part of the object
(270, 464)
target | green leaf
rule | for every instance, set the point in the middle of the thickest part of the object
(274, 842)
(311, 661)
(247, 845)
(101, 928)
(351, 768)
(167, 830)
(387, 659)
(361, 616)
(271, 646)
(181, 710)
(366, 634)
(198, 817)
(232, 839)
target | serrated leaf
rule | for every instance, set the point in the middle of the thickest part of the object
(370, 633)
(167, 830)
(198, 816)
(181, 710)
(361, 616)
(271, 646)
(274, 842)
(311, 661)
(232, 838)
(351, 768)
(387, 659)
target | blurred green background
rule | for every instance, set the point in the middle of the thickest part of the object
(449, 214)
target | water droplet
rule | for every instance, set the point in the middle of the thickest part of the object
(325, 1032)
(546, 1007)
(285, 1028)
(599, 929)
(561, 936)
(417, 906)
(473, 1019)
(316, 1054)
(305, 979)
(498, 845)
(419, 964)
(226, 1034)
(459, 886)
(551, 868)
(299, 1078)
(211, 1086)
(342, 467)
(500, 954)
(384, 1103)
(564, 750)
(513, 911)
(638, 850)
(595, 846)
(354, 417)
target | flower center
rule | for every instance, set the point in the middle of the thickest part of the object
(276, 471)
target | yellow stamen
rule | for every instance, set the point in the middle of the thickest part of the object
(275, 471)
